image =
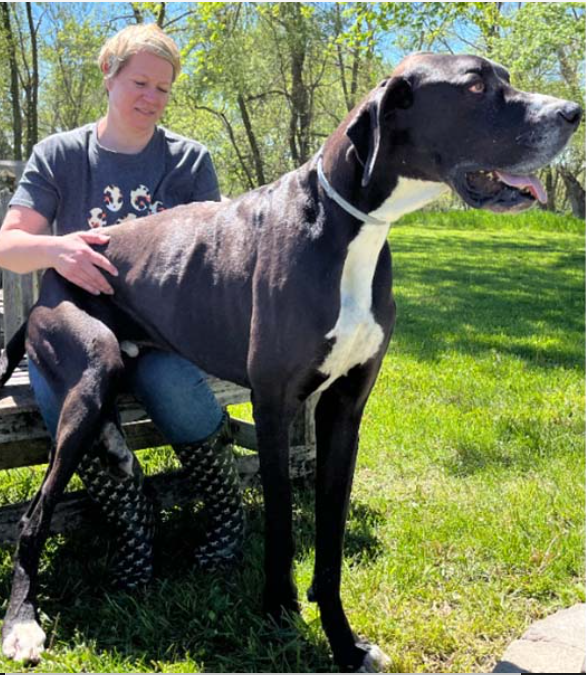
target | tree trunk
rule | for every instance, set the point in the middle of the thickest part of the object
(14, 86)
(137, 12)
(161, 14)
(32, 136)
(569, 71)
(256, 157)
(348, 94)
(232, 136)
(342, 69)
(300, 117)
(356, 63)
(491, 24)
(575, 192)
(300, 122)
(550, 185)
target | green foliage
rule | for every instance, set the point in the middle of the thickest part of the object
(544, 49)
(73, 94)
(269, 82)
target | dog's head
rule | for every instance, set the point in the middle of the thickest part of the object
(458, 120)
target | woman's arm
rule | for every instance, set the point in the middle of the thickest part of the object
(26, 245)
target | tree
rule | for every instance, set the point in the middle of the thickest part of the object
(31, 82)
(20, 36)
(73, 93)
(9, 41)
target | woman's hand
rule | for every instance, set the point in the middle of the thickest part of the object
(26, 245)
(77, 262)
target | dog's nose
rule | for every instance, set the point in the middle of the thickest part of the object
(571, 113)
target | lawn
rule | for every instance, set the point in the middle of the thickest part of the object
(468, 508)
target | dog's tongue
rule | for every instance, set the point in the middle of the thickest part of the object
(531, 183)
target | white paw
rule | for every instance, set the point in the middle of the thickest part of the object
(375, 661)
(24, 642)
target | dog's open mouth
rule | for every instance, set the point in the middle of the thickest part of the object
(500, 191)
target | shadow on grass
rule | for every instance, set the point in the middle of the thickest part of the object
(490, 295)
(214, 620)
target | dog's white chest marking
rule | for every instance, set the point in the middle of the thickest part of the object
(357, 335)
(409, 195)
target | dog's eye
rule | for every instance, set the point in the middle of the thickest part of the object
(477, 88)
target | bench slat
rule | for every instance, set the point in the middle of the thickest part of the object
(24, 440)
(140, 434)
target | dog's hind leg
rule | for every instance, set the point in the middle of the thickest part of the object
(23, 638)
(79, 424)
(338, 415)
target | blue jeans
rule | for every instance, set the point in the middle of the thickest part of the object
(173, 391)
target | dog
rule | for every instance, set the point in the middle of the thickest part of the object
(286, 290)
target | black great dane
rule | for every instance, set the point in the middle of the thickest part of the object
(286, 290)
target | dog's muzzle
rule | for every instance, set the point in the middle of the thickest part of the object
(498, 190)
(516, 188)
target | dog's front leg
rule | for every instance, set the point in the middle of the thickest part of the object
(338, 416)
(272, 429)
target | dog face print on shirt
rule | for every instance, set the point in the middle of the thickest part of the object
(117, 207)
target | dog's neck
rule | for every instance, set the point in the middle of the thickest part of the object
(387, 203)
(408, 195)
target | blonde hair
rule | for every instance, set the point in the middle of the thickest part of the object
(137, 38)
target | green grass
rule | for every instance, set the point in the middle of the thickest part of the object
(533, 220)
(467, 515)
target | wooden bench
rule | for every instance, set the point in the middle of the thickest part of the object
(24, 442)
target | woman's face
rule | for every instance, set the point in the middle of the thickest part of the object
(139, 93)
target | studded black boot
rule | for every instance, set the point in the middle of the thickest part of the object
(128, 509)
(211, 469)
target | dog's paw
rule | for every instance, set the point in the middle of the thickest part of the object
(375, 660)
(24, 642)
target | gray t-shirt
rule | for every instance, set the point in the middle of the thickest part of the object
(78, 184)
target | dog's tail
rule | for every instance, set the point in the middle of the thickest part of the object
(12, 355)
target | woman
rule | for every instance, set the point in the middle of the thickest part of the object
(77, 182)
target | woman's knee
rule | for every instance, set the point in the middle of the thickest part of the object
(177, 396)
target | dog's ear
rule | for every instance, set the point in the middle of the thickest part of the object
(365, 129)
